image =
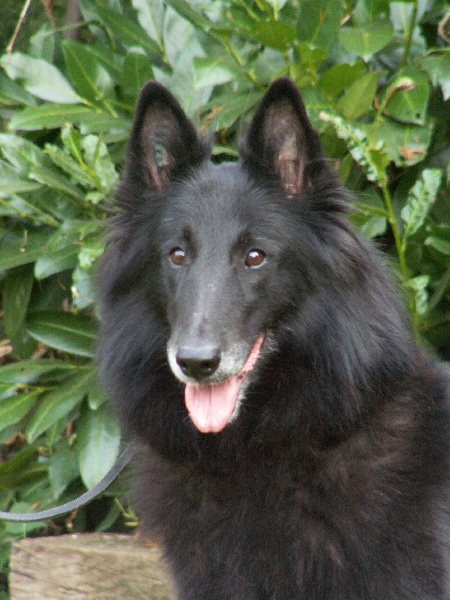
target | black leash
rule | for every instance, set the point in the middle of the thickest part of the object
(85, 498)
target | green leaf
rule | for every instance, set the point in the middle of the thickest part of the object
(404, 143)
(62, 468)
(21, 251)
(16, 292)
(96, 397)
(127, 31)
(90, 251)
(96, 156)
(275, 34)
(438, 68)
(211, 72)
(67, 163)
(371, 216)
(240, 21)
(307, 58)
(12, 93)
(13, 409)
(373, 227)
(83, 289)
(63, 331)
(33, 162)
(226, 109)
(89, 77)
(315, 103)
(11, 183)
(7, 390)
(417, 287)
(21, 153)
(366, 41)
(53, 116)
(59, 403)
(401, 13)
(408, 103)
(29, 371)
(22, 529)
(182, 45)
(420, 199)
(55, 262)
(337, 79)
(85, 159)
(42, 43)
(98, 443)
(112, 61)
(372, 158)
(367, 11)
(151, 17)
(441, 244)
(40, 78)
(185, 9)
(359, 97)
(21, 470)
(15, 206)
(56, 180)
(136, 72)
(319, 22)
(277, 5)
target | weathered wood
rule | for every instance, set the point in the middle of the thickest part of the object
(94, 566)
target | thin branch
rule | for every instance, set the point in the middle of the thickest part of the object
(49, 10)
(23, 14)
(441, 27)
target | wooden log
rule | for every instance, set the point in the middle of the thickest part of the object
(96, 566)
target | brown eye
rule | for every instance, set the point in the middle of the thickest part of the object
(178, 257)
(255, 258)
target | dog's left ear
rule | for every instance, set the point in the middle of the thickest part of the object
(163, 142)
(280, 139)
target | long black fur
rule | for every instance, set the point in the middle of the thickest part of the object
(331, 482)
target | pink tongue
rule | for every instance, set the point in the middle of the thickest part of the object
(211, 406)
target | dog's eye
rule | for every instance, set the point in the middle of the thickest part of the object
(255, 258)
(178, 256)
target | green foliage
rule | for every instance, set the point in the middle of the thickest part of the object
(375, 79)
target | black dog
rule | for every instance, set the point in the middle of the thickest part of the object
(295, 438)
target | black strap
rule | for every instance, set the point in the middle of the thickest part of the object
(44, 515)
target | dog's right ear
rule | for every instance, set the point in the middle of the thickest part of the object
(280, 141)
(163, 142)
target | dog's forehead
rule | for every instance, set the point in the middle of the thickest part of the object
(215, 193)
(219, 185)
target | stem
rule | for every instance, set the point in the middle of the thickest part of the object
(400, 245)
(441, 27)
(395, 231)
(409, 34)
(275, 10)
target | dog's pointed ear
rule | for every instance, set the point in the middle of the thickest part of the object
(280, 139)
(163, 142)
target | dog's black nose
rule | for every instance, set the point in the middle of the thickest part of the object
(198, 362)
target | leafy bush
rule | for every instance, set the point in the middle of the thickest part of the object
(375, 76)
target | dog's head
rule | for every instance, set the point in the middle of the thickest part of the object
(223, 242)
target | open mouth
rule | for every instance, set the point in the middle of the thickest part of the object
(211, 407)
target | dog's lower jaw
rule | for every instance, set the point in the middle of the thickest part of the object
(247, 380)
